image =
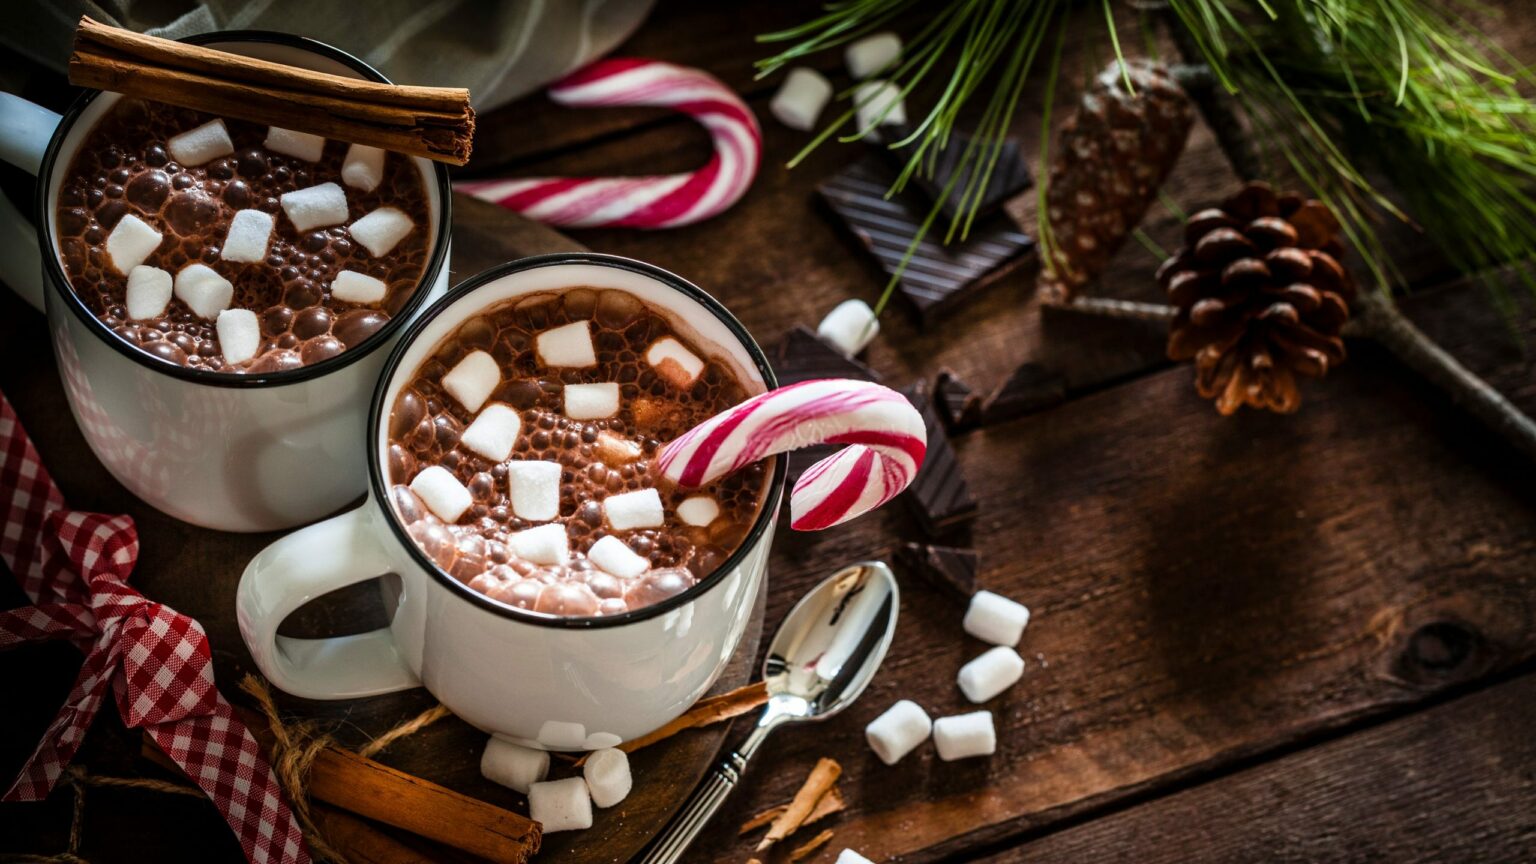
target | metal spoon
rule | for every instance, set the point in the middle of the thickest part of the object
(824, 654)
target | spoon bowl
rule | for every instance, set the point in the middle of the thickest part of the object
(824, 654)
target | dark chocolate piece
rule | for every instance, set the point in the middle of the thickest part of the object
(1030, 388)
(949, 568)
(938, 276)
(1009, 176)
(803, 356)
(959, 406)
(938, 496)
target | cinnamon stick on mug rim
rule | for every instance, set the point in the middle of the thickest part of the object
(434, 122)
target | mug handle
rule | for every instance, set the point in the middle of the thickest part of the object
(294, 570)
(25, 130)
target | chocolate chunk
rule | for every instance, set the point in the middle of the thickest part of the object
(803, 356)
(938, 496)
(1009, 176)
(1030, 388)
(949, 568)
(959, 406)
(938, 276)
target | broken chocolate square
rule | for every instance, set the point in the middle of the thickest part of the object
(1030, 388)
(1009, 176)
(949, 568)
(938, 496)
(959, 406)
(938, 276)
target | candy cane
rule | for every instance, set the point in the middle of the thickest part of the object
(664, 201)
(887, 435)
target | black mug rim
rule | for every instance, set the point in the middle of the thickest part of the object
(376, 416)
(56, 278)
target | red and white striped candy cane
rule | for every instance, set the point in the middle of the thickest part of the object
(662, 201)
(886, 434)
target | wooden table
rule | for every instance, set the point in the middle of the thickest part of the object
(1259, 638)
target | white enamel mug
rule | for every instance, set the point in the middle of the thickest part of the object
(225, 451)
(538, 680)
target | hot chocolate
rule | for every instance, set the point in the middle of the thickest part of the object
(229, 246)
(520, 455)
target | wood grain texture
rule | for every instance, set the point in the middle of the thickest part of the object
(1452, 783)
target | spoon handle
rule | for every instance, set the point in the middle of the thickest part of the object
(675, 840)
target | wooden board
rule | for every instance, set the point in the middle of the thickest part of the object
(195, 571)
(1367, 797)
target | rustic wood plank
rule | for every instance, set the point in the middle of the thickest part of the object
(1449, 784)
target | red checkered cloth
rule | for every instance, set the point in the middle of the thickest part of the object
(75, 567)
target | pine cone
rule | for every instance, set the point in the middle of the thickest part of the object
(1113, 154)
(1261, 298)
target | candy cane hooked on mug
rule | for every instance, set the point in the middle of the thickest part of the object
(886, 435)
(663, 201)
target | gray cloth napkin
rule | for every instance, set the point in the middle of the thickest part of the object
(499, 50)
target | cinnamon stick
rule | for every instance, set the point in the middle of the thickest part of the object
(816, 785)
(705, 712)
(806, 850)
(830, 803)
(362, 786)
(434, 122)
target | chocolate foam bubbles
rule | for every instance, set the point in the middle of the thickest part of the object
(125, 167)
(475, 523)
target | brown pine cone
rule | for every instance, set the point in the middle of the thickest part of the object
(1111, 157)
(1261, 298)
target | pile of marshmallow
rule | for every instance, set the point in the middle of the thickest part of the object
(209, 294)
(534, 485)
(558, 805)
(991, 618)
(878, 102)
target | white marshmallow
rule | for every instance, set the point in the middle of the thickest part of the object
(562, 734)
(363, 168)
(204, 291)
(472, 379)
(872, 54)
(898, 731)
(299, 145)
(493, 432)
(601, 741)
(442, 492)
(990, 674)
(607, 776)
(996, 619)
(535, 489)
(149, 292)
(615, 449)
(848, 856)
(698, 510)
(379, 231)
(591, 401)
(964, 735)
(638, 509)
(350, 286)
(801, 98)
(872, 97)
(130, 242)
(849, 327)
(205, 143)
(674, 362)
(239, 335)
(613, 555)
(315, 206)
(546, 544)
(249, 233)
(561, 805)
(512, 765)
(570, 345)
